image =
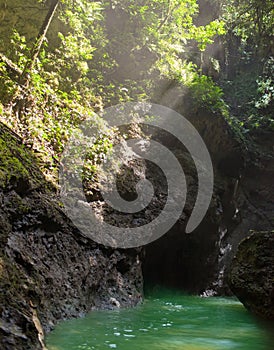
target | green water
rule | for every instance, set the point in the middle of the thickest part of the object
(165, 322)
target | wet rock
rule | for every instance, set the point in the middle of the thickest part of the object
(251, 274)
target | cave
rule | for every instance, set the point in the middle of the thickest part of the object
(187, 262)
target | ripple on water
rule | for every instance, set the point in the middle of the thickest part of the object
(166, 323)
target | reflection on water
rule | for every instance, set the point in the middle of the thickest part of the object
(166, 321)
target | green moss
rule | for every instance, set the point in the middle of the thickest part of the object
(10, 165)
(17, 163)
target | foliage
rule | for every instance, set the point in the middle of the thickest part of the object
(51, 114)
(250, 96)
(208, 94)
(145, 40)
(249, 42)
(252, 20)
(103, 53)
(264, 103)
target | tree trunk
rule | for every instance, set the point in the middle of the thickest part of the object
(24, 79)
(25, 76)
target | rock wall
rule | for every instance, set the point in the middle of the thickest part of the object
(49, 271)
(242, 201)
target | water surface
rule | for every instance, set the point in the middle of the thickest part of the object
(166, 321)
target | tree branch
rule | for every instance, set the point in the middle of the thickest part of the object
(12, 67)
(163, 22)
(24, 79)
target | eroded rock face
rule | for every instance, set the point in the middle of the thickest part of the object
(49, 271)
(251, 276)
(242, 201)
(192, 262)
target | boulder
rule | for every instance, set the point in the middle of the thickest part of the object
(251, 276)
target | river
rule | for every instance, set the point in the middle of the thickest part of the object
(166, 321)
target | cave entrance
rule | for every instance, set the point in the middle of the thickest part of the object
(187, 262)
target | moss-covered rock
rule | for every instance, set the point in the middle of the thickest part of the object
(18, 166)
(252, 273)
(48, 270)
